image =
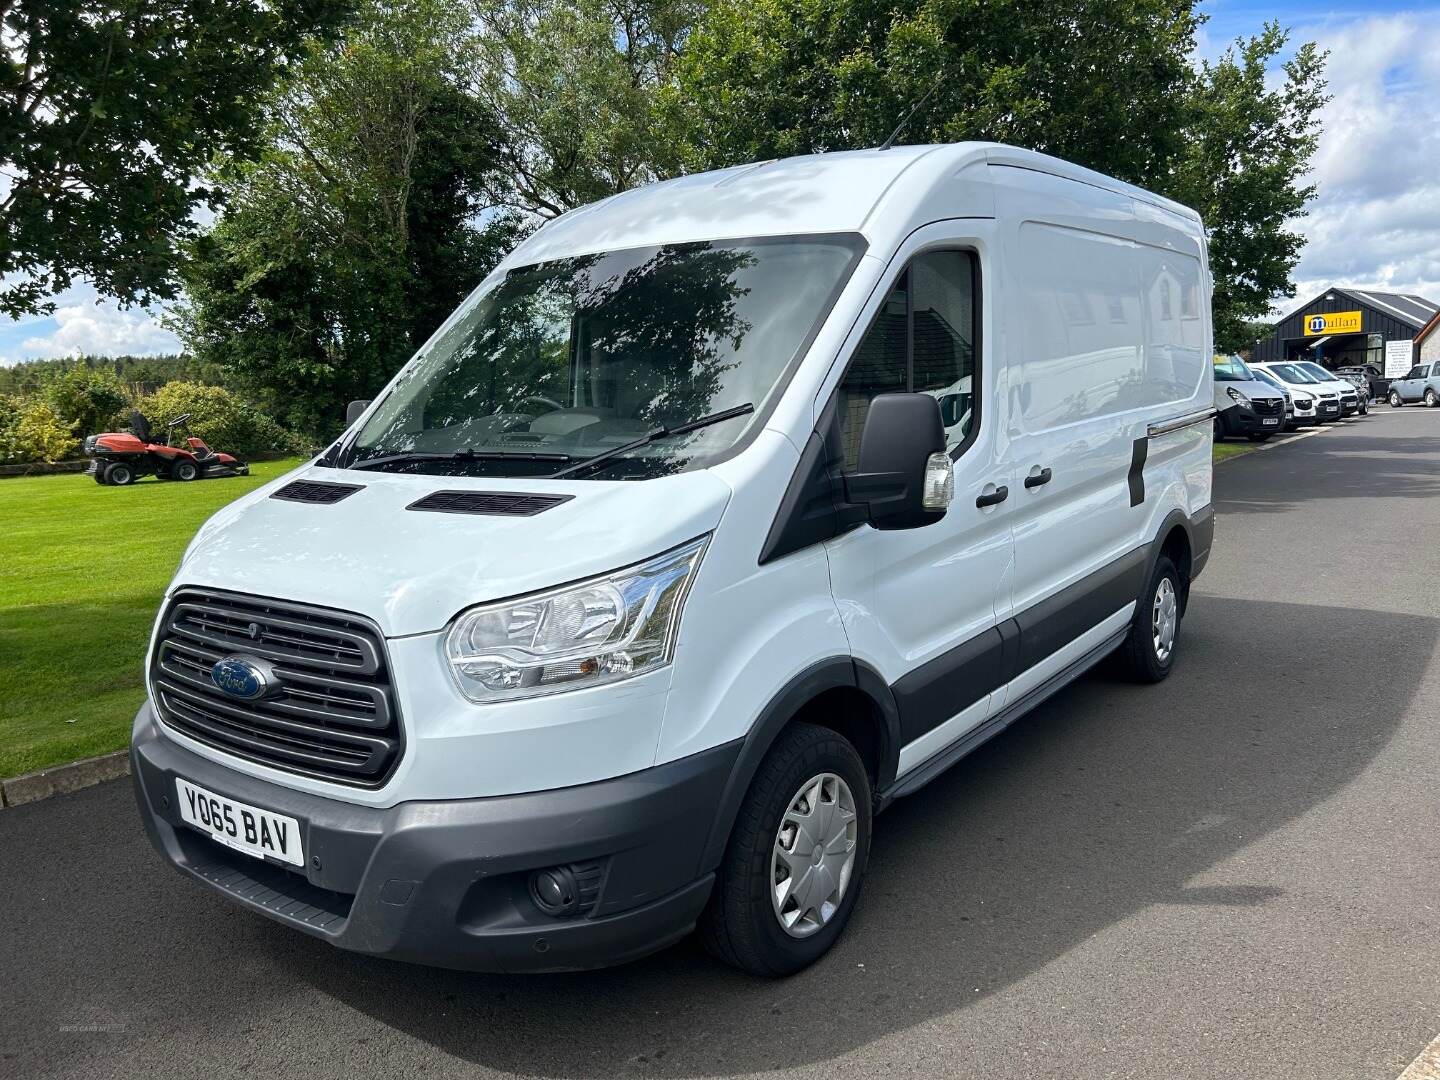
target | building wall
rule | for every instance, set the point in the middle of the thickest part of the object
(1374, 321)
(1430, 347)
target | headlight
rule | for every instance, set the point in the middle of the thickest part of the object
(1237, 396)
(587, 634)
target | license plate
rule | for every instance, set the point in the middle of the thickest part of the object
(240, 826)
(1332, 408)
(1268, 421)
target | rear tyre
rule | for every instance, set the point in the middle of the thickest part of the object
(120, 474)
(792, 870)
(184, 471)
(1430, 398)
(1148, 652)
(1395, 399)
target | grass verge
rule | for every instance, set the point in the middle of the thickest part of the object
(82, 570)
(1225, 450)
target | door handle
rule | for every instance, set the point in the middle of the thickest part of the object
(993, 498)
(1034, 480)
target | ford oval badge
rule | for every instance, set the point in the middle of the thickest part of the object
(240, 678)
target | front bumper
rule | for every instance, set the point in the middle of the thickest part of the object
(1242, 421)
(446, 883)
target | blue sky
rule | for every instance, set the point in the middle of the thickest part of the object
(1376, 221)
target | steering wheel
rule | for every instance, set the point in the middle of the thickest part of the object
(555, 406)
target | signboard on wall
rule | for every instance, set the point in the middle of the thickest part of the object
(1397, 358)
(1333, 322)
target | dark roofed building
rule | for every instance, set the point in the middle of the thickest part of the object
(1351, 327)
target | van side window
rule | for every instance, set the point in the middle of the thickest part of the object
(922, 340)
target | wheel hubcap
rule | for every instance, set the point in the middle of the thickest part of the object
(1164, 617)
(814, 855)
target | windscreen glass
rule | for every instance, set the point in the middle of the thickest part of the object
(1232, 369)
(565, 360)
(1295, 374)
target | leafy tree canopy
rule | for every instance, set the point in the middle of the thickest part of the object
(109, 112)
(361, 226)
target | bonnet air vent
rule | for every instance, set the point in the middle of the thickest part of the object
(498, 503)
(314, 491)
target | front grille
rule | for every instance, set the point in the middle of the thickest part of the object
(1327, 397)
(1268, 406)
(332, 712)
(499, 503)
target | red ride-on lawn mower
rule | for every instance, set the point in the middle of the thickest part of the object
(121, 457)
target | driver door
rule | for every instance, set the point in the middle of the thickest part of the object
(922, 607)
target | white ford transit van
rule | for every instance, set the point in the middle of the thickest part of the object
(724, 513)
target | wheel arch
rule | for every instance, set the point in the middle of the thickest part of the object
(841, 693)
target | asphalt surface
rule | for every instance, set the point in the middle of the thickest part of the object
(1233, 874)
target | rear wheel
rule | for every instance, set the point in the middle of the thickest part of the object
(792, 869)
(120, 474)
(184, 470)
(1395, 399)
(1430, 398)
(1148, 652)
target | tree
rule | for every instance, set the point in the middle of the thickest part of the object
(109, 112)
(1244, 168)
(576, 87)
(355, 233)
(1101, 83)
(87, 399)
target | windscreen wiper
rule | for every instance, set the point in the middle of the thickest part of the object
(458, 455)
(652, 435)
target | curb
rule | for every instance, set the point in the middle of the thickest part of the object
(32, 787)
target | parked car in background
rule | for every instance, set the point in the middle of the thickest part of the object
(1421, 383)
(1350, 400)
(1313, 402)
(1245, 405)
(1372, 375)
(1290, 423)
(1362, 384)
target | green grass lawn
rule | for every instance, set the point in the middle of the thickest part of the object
(1230, 448)
(82, 570)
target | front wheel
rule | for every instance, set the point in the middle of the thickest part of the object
(1148, 652)
(120, 474)
(1395, 399)
(793, 867)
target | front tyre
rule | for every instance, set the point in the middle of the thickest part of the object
(1148, 652)
(120, 474)
(793, 867)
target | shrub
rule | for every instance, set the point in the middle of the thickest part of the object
(223, 420)
(90, 400)
(31, 431)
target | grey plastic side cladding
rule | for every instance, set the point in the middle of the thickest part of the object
(803, 688)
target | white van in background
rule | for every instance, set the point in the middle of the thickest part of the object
(724, 513)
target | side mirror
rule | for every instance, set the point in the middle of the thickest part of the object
(904, 479)
(355, 410)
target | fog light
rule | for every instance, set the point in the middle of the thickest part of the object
(555, 891)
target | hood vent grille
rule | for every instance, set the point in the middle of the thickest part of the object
(495, 503)
(315, 491)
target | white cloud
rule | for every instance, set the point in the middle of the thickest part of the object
(1376, 218)
(83, 324)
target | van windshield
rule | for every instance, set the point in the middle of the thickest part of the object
(1232, 369)
(566, 360)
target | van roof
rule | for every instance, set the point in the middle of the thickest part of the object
(818, 193)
